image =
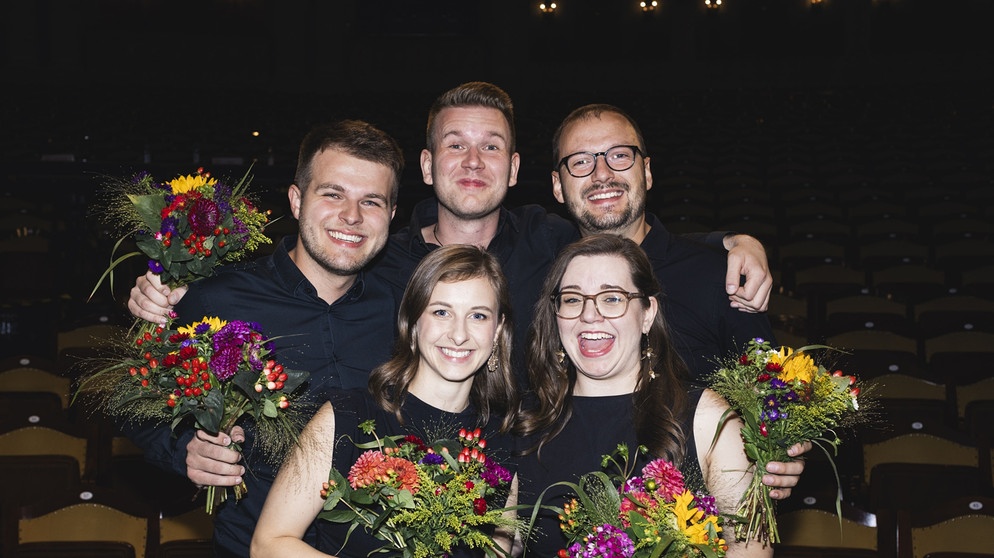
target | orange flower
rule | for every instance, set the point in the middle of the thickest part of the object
(367, 469)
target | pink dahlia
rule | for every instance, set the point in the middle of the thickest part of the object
(668, 479)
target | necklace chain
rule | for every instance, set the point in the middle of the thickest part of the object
(434, 232)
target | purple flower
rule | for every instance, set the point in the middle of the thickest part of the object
(155, 267)
(771, 415)
(202, 328)
(432, 459)
(705, 503)
(607, 541)
(204, 217)
(168, 225)
(777, 383)
(771, 402)
(224, 362)
(494, 474)
(790, 396)
(634, 484)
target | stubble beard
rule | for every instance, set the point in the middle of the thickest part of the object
(611, 222)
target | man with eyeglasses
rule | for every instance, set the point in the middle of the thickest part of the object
(602, 175)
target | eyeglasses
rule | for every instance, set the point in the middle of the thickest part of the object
(618, 158)
(609, 304)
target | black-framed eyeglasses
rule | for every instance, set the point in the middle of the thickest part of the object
(609, 304)
(582, 163)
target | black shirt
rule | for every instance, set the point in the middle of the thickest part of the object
(337, 343)
(704, 327)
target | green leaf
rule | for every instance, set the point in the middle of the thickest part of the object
(149, 207)
(337, 516)
(269, 409)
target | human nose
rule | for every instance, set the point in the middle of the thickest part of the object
(351, 213)
(457, 332)
(602, 172)
(590, 312)
(473, 159)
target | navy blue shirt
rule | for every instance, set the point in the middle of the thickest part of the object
(337, 343)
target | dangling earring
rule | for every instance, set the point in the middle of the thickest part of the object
(648, 354)
(492, 362)
(561, 355)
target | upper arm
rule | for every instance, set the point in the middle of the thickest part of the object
(295, 498)
(727, 470)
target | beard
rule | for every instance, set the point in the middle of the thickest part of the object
(335, 265)
(606, 222)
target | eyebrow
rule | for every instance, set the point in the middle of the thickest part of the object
(447, 305)
(460, 133)
(344, 190)
(604, 287)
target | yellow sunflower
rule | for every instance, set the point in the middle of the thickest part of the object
(183, 184)
(796, 366)
(215, 324)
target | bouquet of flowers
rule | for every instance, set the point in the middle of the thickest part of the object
(210, 372)
(783, 397)
(652, 515)
(422, 500)
(186, 227)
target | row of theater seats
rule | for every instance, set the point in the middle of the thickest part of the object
(72, 486)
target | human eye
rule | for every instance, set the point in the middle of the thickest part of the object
(440, 313)
(570, 299)
(621, 154)
(612, 298)
(372, 203)
(480, 316)
(578, 160)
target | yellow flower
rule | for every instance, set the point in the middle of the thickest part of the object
(183, 184)
(214, 323)
(692, 521)
(796, 366)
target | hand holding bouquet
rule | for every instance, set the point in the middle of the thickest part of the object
(652, 515)
(209, 372)
(784, 398)
(422, 500)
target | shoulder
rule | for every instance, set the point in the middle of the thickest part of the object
(711, 407)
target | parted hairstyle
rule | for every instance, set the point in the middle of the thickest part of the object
(359, 139)
(591, 111)
(493, 392)
(472, 94)
(659, 403)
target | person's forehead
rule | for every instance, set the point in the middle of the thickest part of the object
(472, 119)
(596, 132)
(340, 167)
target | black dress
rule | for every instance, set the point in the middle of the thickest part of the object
(420, 419)
(596, 428)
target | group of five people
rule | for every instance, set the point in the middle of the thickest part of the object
(564, 339)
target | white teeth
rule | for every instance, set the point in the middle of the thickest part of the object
(345, 237)
(606, 195)
(453, 353)
(595, 336)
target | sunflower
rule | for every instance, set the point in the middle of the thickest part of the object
(183, 184)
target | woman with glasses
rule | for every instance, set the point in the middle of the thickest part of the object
(603, 372)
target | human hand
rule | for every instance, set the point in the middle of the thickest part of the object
(152, 301)
(211, 462)
(782, 476)
(746, 256)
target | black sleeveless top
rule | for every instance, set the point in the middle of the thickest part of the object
(596, 428)
(420, 419)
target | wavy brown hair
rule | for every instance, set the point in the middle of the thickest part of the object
(659, 403)
(493, 393)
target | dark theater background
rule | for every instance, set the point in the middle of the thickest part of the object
(855, 138)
